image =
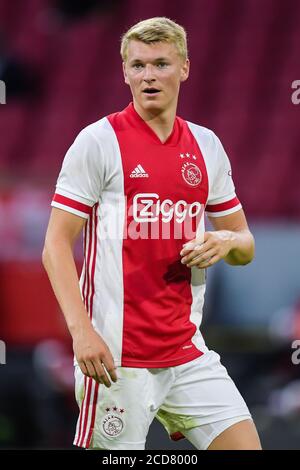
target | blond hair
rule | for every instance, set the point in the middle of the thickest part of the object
(153, 30)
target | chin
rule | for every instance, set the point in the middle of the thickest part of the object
(155, 104)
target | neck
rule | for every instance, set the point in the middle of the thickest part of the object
(160, 121)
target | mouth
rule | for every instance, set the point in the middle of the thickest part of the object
(151, 91)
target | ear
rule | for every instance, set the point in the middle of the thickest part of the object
(185, 70)
(125, 74)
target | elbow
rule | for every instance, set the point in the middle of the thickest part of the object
(247, 261)
(252, 250)
(46, 256)
(249, 257)
(238, 260)
(242, 257)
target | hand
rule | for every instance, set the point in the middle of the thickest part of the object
(216, 246)
(94, 357)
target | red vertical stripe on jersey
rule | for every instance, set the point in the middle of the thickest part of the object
(94, 261)
(84, 411)
(85, 429)
(93, 416)
(84, 293)
(89, 230)
(88, 395)
(81, 414)
(85, 263)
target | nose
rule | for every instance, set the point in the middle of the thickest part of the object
(148, 74)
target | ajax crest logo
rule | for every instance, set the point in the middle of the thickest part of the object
(190, 171)
(191, 174)
(112, 423)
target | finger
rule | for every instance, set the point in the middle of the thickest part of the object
(190, 250)
(113, 374)
(111, 370)
(198, 250)
(202, 258)
(188, 247)
(196, 243)
(109, 365)
(83, 368)
(89, 368)
(103, 375)
(209, 263)
(97, 372)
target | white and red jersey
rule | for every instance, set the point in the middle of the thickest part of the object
(142, 200)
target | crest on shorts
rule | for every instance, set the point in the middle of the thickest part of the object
(113, 422)
(191, 174)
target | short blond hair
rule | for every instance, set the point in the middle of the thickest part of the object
(153, 30)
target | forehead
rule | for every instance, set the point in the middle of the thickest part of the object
(138, 50)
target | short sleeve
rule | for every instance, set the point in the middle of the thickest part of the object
(222, 199)
(80, 181)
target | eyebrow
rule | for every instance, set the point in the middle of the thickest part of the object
(159, 59)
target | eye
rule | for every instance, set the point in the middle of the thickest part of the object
(137, 66)
(162, 65)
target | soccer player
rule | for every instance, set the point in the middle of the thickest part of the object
(138, 182)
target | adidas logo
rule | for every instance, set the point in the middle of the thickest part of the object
(139, 172)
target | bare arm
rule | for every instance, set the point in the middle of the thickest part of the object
(231, 241)
(90, 350)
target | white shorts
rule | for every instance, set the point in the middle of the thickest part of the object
(196, 397)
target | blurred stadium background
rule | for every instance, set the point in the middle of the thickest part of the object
(61, 65)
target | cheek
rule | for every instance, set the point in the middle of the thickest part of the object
(134, 81)
(173, 83)
(131, 81)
